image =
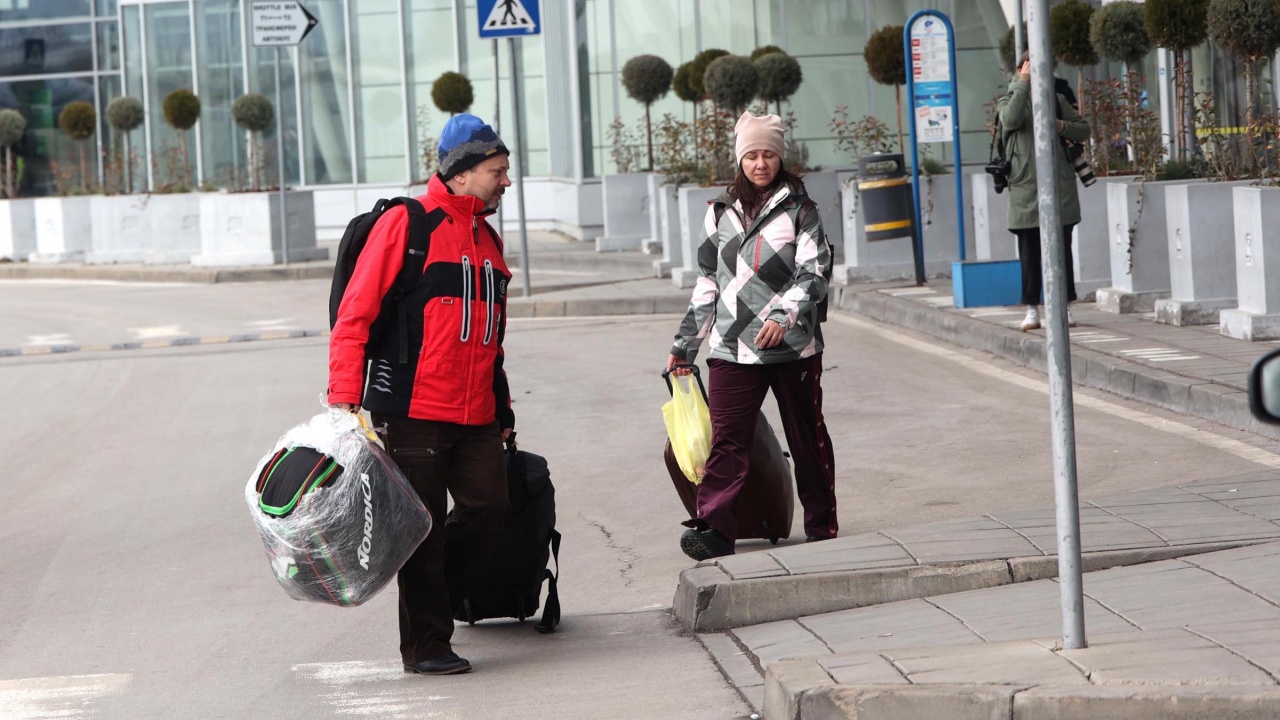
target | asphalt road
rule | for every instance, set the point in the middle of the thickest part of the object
(136, 587)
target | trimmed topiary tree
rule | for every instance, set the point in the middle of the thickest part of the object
(1249, 30)
(1009, 49)
(1179, 25)
(126, 114)
(887, 65)
(766, 50)
(698, 70)
(12, 127)
(78, 120)
(647, 79)
(780, 78)
(254, 113)
(182, 112)
(1118, 32)
(452, 93)
(731, 81)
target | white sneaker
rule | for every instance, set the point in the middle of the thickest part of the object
(1032, 320)
(1071, 321)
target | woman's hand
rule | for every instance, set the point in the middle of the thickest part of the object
(769, 335)
(676, 366)
(1024, 72)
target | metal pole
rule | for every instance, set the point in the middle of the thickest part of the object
(284, 217)
(519, 170)
(497, 107)
(917, 227)
(1061, 407)
(1019, 42)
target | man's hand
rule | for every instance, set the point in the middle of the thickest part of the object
(676, 366)
(506, 434)
(769, 335)
(347, 407)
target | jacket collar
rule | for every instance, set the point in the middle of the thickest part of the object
(466, 206)
(783, 192)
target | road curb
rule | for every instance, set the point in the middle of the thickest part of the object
(183, 274)
(804, 690)
(587, 307)
(1204, 399)
(708, 599)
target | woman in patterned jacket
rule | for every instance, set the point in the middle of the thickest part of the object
(764, 263)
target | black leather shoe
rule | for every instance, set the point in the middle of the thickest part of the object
(705, 544)
(446, 664)
(815, 538)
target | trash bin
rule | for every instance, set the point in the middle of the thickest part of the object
(884, 191)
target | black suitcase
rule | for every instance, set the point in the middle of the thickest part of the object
(767, 501)
(511, 581)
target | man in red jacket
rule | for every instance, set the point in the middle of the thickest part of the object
(436, 389)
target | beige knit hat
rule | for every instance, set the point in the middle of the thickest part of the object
(757, 133)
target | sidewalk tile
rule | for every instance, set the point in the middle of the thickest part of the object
(1025, 610)
(775, 641)
(862, 669)
(903, 624)
(1011, 663)
(751, 565)
(735, 663)
(1174, 657)
(1174, 597)
(1259, 642)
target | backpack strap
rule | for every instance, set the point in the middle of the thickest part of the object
(551, 609)
(417, 245)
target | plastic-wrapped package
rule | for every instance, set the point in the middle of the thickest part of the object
(337, 516)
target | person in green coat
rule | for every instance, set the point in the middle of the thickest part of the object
(1014, 111)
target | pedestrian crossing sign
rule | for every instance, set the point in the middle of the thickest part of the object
(508, 18)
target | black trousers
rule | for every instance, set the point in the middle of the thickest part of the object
(1033, 273)
(444, 459)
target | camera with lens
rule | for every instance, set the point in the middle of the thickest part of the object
(1075, 153)
(999, 170)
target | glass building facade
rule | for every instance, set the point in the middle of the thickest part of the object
(355, 95)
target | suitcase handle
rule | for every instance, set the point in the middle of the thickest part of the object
(697, 375)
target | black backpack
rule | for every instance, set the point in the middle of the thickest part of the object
(421, 225)
(510, 581)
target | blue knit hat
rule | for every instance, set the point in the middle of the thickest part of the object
(465, 142)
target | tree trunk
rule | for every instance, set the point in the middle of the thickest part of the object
(1249, 91)
(1084, 111)
(84, 180)
(8, 172)
(1189, 110)
(253, 161)
(648, 126)
(127, 162)
(697, 155)
(186, 165)
(897, 96)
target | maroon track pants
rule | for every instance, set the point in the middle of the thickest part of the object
(735, 394)
(467, 463)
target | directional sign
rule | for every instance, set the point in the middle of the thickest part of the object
(280, 24)
(508, 18)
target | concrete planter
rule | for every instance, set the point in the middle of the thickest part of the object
(665, 227)
(245, 229)
(1139, 247)
(627, 222)
(693, 214)
(991, 237)
(64, 231)
(175, 229)
(1091, 250)
(893, 259)
(824, 190)
(17, 229)
(1202, 267)
(1257, 265)
(121, 228)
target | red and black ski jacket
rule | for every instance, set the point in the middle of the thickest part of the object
(452, 371)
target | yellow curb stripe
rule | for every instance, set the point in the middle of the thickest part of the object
(94, 348)
(274, 335)
(895, 225)
(155, 344)
(215, 340)
(873, 184)
(41, 350)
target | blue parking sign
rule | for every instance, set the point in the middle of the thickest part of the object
(508, 18)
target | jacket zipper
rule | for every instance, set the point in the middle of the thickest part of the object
(467, 280)
(488, 301)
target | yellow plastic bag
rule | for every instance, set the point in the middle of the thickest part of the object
(688, 423)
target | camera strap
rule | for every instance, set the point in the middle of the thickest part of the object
(997, 142)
